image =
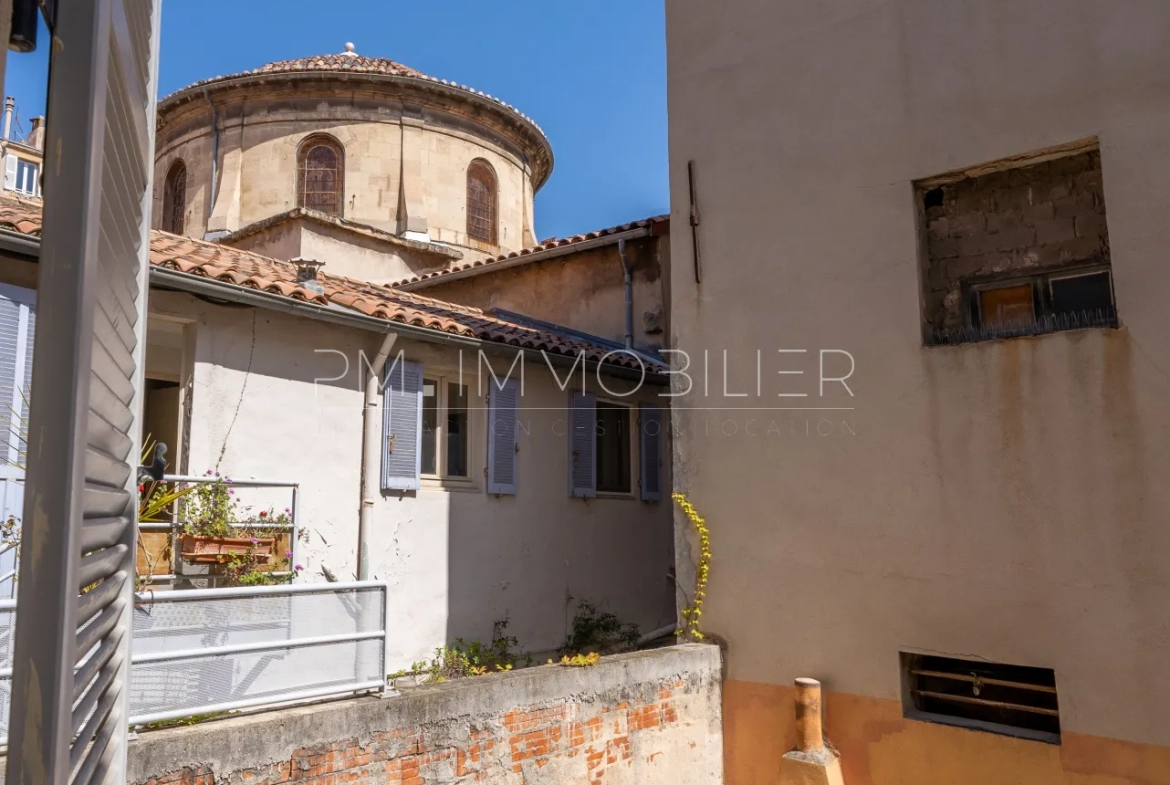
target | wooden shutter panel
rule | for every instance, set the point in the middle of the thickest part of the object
(10, 173)
(402, 399)
(583, 445)
(650, 428)
(502, 438)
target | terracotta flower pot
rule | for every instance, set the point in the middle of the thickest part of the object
(197, 549)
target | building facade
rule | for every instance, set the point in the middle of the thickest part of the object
(929, 433)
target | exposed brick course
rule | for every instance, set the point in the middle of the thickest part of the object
(662, 730)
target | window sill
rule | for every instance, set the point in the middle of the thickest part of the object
(967, 335)
(615, 495)
(461, 485)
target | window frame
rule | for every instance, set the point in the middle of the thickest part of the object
(631, 453)
(1041, 283)
(440, 478)
(306, 146)
(489, 178)
(27, 165)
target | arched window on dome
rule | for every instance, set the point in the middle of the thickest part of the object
(481, 202)
(175, 199)
(321, 175)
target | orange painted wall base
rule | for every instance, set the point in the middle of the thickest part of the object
(880, 747)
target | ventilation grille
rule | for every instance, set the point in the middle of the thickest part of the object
(1014, 700)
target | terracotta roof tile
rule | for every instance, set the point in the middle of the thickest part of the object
(553, 242)
(253, 271)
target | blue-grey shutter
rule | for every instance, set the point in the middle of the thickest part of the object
(402, 398)
(650, 428)
(583, 445)
(71, 661)
(502, 406)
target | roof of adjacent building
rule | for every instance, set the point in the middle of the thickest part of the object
(254, 271)
(315, 216)
(647, 226)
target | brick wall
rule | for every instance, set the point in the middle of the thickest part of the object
(1008, 223)
(651, 717)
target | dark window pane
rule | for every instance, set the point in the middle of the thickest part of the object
(613, 448)
(456, 430)
(319, 177)
(430, 426)
(1083, 294)
(175, 199)
(1007, 306)
(481, 202)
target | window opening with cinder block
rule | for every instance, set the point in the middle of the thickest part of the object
(1017, 249)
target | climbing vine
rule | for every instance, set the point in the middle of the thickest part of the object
(691, 613)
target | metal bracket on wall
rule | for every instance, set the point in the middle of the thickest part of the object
(694, 222)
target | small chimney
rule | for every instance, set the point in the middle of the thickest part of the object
(307, 270)
(36, 137)
(9, 109)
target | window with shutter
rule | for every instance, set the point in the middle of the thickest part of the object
(402, 426)
(583, 445)
(10, 163)
(17, 328)
(502, 407)
(650, 429)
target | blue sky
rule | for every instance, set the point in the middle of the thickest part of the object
(591, 74)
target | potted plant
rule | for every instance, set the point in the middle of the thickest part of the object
(209, 536)
(239, 543)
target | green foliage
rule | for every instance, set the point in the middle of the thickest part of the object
(599, 632)
(464, 659)
(580, 660)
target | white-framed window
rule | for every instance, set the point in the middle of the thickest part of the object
(445, 444)
(602, 435)
(22, 176)
(428, 417)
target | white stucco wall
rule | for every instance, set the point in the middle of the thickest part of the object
(455, 560)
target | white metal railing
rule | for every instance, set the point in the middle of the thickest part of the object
(209, 651)
(9, 568)
(179, 571)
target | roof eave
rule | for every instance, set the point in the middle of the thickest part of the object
(535, 256)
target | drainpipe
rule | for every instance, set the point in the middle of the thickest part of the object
(371, 441)
(629, 282)
(214, 151)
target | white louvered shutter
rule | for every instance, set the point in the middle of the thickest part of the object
(71, 658)
(10, 162)
(650, 429)
(402, 401)
(502, 410)
(583, 445)
(9, 375)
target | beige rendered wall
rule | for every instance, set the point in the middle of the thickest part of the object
(999, 500)
(344, 252)
(584, 291)
(456, 560)
(427, 156)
